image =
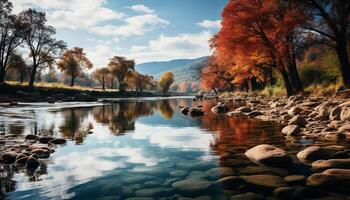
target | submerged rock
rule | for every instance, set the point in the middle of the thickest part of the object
(268, 155)
(313, 153)
(191, 185)
(265, 180)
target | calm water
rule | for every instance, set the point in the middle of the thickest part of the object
(116, 150)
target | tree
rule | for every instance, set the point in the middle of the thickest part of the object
(331, 20)
(101, 76)
(266, 28)
(120, 67)
(165, 82)
(12, 30)
(73, 63)
(17, 63)
(42, 46)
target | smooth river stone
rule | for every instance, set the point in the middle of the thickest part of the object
(191, 185)
(220, 172)
(247, 196)
(313, 153)
(330, 177)
(331, 163)
(269, 155)
(291, 130)
(271, 181)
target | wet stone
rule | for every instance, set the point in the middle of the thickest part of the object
(295, 179)
(247, 196)
(191, 185)
(178, 173)
(268, 155)
(271, 181)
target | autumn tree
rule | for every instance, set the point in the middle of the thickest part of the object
(120, 67)
(165, 82)
(101, 76)
(12, 30)
(18, 65)
(73, 63)
(265, 28)
(331, 20)
(43, 48)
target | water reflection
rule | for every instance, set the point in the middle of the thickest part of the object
(128, 145)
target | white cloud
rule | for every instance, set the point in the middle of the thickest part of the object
(141, 8)
(71, 14)
(209, 24)
(136, 25)
(173, 47)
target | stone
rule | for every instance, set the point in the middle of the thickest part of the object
(32, 163)
(247, 196)
(39, 146)
(41, 153)
(265, 180)
(196, 112)
(298, 120)
(344, 128)
(58, 141)
(295, 110)
(234, 113)
(330, 177)
(191, 185)
(9, 157)
(22, 160)
(345, 113)
(229, 182)
(254, 114)
(178, 173)
(335, 113)
(31, 137)
(244, 109)
(220, 108)
(291, 130)
(268, 155)
(220, 172)
(313, 153)
(45, 140)
(151, 192)
(331, 163)
(185, 110)
(284, 192)
(295, 179)
(252, 170)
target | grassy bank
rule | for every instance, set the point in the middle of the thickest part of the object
(18, 92)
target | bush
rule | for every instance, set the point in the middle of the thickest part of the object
(315, 75)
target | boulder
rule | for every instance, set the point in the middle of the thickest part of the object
(9, 157)
(291, 130)
(58, 141)
(22, 160)
(244, 109)
(185, 110)
(313, 153)
(298, 120)
(268, 155)
(41, 153)
(330, 177)
(331, 163)
(265, 180)
(196, 112)
(32, 163)
(220, 108)
(31, 137)
(45, 139)
(295, 110)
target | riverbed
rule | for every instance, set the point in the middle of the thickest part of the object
(145, 148)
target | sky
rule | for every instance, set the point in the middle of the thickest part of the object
(143, 30)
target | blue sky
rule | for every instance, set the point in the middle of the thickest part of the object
(144, 30)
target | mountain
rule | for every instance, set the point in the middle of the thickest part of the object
(183, 69)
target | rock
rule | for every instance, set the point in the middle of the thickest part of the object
(22, 160)
(253, 170)
(345, 113)
(220, 108)
(229, 182)
(298, 120)
(9, 157)
(58, 141)
(45, 139)
(234, 113)
(313, 153)
(335, 113)
(254, 114)
(331, 163)
(295, 110)
(151, 192)
(244, 109)
(191, 185)
(271, 181)
(295, 179)
(185, 110)
(41, 153)
(268, 155)
(50, 100)
(31, 137)
(291, 130)
(220, 172)
(344, 128)
(39, 146)
(330, 177)
(247, 196)
(178, 173)
(84, 97)
(238, 103)
(196, 112)
(284, 192)
(32, 163)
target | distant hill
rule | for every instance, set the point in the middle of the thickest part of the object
(183, 69)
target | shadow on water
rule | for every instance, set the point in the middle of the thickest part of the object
(132, 148)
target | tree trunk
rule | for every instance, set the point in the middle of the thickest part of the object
(72, 81)
(103, 83)
(287, 83)
(342, 53)
(2, 74)
(21, 78)
(32, 77)
(112, 83)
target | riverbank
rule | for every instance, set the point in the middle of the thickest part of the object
(20, 93)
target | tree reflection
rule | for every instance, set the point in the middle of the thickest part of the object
(165, 109)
